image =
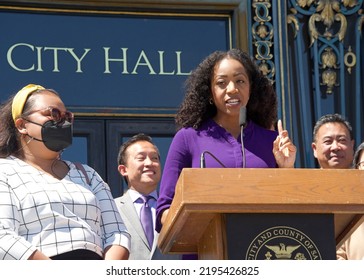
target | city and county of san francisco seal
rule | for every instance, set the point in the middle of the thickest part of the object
(282, 243)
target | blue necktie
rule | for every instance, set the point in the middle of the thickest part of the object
(147, 220)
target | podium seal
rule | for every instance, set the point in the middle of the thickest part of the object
(282, 243)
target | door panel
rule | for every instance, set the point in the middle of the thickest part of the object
(97, 141)
(88, 145)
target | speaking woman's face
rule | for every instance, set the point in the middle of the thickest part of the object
(230, 88)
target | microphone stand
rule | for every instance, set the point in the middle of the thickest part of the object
(242, 145)
(242, 123)
(202, 159)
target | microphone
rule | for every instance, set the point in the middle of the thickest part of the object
(202, 159)
(242, 123)
(242, 117)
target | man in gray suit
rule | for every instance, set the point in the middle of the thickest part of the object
(139, 164)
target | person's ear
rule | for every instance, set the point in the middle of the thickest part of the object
(313, 145)
(123, 170)
(20, 126)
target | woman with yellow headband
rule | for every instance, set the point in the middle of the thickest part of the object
(49, 209)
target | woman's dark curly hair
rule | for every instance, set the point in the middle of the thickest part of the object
(196, 108)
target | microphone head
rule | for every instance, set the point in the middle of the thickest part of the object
(202, 160)
(242, 116)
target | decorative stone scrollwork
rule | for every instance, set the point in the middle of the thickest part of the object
(329, 59)
(262, 33)
(329, 62)
(329, 80)
(350, 59)
(327, 29)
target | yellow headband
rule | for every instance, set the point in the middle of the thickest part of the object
(21, 97)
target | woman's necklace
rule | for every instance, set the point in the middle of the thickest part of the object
(54, 171)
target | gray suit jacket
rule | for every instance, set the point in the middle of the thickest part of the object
(139, 244)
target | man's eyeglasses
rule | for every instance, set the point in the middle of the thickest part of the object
(55, 114)
(360, 165)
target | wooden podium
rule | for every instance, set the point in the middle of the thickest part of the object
(205, 199)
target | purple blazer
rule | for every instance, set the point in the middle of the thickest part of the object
(188, 144)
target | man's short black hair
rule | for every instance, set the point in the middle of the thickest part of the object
(332, 118)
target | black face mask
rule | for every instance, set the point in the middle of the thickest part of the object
(55, 137)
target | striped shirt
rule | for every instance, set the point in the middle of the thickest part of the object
(38, 211)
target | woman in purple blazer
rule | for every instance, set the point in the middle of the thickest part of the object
(227, 119)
